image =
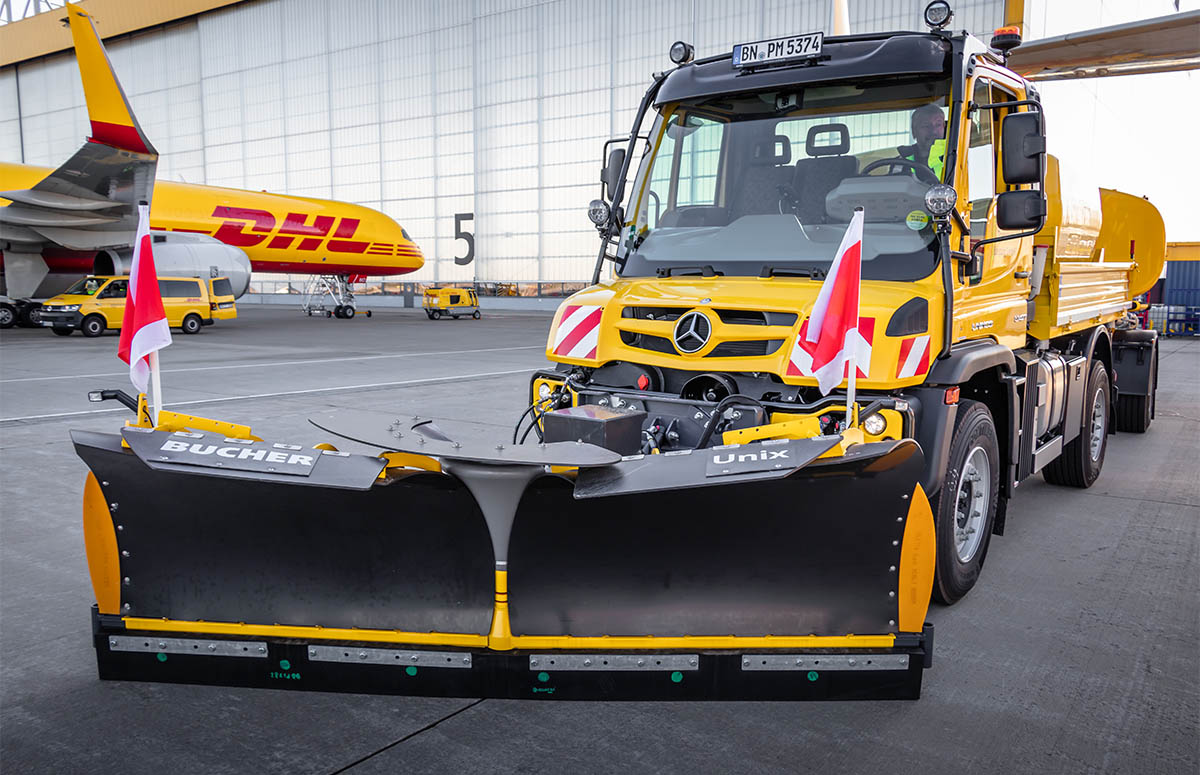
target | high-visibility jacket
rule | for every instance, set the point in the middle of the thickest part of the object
(936, 159)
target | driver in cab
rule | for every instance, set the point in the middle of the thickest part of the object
(929, 131)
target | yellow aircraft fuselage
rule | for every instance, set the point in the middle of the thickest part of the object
(279, 233)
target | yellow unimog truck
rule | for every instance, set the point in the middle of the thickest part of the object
(680, 514)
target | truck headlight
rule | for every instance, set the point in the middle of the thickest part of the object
(875, 424)
(69, 308)
(938, 14)
(681, 53)
(598, 212)
(940, 199)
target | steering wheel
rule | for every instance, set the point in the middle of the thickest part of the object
(788, 200)
(789, 204)
(922, 171)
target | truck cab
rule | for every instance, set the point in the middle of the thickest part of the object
(989, 297)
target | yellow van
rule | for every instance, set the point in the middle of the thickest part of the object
(97, 303)
(455, 302)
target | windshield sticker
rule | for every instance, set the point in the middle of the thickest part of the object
(917, 220)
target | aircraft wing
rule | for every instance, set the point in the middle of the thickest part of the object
(1162, 44)
(90, 202)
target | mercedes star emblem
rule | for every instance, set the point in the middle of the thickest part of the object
(692, 332)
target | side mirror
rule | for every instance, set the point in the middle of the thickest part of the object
(611, 174)
(1023, 145)
(1021, 210)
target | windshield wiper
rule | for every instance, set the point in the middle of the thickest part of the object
(812, 272)
(705, 270)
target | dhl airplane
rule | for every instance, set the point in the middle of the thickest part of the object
(81, 217)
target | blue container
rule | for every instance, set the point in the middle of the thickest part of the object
(1182, 287)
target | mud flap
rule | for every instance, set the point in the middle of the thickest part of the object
(817, 552)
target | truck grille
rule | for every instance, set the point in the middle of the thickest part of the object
(654, 313)
(741, 317)
(745, 349)
(754, 317)
(650, 342)
(735, 349)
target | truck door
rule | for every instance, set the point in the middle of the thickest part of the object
(990, 301)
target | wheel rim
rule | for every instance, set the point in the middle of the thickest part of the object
(971, 503)
(6, 316)
(1098, 418)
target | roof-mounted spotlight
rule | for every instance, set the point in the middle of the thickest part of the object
(938, 14)
(682, 53)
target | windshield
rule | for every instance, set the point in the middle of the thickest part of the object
(85, 287)
(746, 184)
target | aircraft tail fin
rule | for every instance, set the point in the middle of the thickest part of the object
(112, 119)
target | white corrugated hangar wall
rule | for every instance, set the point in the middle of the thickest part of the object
(424, 109)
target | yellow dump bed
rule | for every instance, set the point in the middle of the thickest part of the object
(1101, 249)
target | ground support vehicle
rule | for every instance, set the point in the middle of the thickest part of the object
(96, 303)
(692, 519)
(450, 302)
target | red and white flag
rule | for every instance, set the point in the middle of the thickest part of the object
(144, 329)
(833, 323)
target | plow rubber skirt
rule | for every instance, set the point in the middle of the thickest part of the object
(287, 664)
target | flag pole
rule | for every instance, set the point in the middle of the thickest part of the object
(852, 365)
(155, 388)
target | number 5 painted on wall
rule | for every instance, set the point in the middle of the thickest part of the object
(467, 236)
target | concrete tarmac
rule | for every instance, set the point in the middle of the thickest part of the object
(1077, 651)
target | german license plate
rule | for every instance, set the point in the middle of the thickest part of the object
(777, 50)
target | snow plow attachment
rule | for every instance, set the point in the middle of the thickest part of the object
(792, 569)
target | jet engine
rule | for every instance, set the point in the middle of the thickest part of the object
(179, 254)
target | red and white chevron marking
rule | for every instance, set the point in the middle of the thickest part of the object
(578, 332)
(914, 357)
(800, 361)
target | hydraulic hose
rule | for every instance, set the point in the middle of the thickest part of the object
(714, 418)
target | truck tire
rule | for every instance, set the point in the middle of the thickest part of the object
(1134, 413)
(476, 315)
(435, 315)
(93, 325)
(1080, 463)
(8, 316)
(966, 506)
(191, 324)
